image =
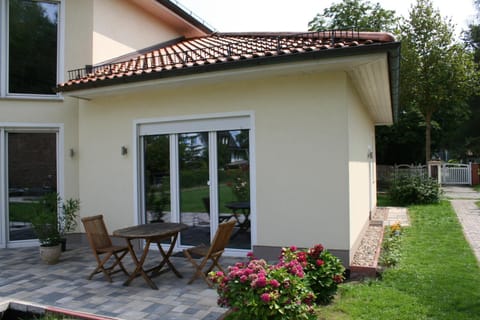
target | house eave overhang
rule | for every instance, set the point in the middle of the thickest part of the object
(377, 65)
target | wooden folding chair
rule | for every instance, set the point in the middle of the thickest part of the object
(101, 244)
(212, 252)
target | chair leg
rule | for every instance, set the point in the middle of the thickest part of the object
(199, 269)
(107, 271)
(118, 261)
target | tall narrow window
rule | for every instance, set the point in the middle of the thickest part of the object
(32, 46)
(157, 179)
(32, 174)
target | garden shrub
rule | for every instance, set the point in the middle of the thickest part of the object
(406, 190)
(323, 271)
(286, 290)
(257, 290)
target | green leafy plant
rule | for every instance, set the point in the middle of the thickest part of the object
(45, 222)
(391, 253)
(407, 190)
(48, 225)
(323, 271)
(68, 220)
(257, 290)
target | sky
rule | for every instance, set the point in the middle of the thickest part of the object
(283, 15)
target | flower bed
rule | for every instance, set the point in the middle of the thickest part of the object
(289, 289)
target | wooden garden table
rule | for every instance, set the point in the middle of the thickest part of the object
(151, 233)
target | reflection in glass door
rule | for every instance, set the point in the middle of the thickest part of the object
(201, 179)
(234, 184)
(194, 190)
(32, 174)
(157, 179)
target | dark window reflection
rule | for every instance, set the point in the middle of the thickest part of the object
(32, 46)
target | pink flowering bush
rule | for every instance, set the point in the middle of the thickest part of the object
(287, 290)
(257, 290)
(323, 271)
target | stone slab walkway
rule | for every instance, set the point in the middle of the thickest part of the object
(463, 202)
(24, 277)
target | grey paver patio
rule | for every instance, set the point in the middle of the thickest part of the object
(24, 277)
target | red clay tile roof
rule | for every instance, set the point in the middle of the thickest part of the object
(222, 50)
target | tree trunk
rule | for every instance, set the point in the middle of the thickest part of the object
(428, 138)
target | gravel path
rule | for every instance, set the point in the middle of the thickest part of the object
(369, 249)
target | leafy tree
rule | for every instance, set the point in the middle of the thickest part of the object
(357, 14)
(438, 75)
(468, 137)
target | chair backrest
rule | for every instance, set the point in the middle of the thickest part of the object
(222, 236)
(97, 233)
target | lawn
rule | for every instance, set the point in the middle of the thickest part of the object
(191, 198)
(437, 277)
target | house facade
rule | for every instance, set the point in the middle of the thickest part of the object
(155, 117)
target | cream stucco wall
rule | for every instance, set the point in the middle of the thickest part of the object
(121, 27)
(301, 151)
(27, 114)
(361, 136)
(78, 34)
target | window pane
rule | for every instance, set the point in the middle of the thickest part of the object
(194, 187)
(234, 184)
(157, 179)
(32, 174)
(32, 46)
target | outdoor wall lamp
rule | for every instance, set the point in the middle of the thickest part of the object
(124, 151)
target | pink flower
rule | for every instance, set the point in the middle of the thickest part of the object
(274, 283)
(293, 248)
(265, 297)
(320, 262)
(261, 282)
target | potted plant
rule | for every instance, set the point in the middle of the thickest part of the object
(45, 226)
(67, 221)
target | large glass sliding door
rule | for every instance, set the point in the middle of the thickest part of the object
(200, 178)
(31, 171)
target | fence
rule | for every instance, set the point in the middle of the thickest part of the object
(451, 173)
(456, 173)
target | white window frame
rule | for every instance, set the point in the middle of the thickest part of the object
(26, 127)
(4, 34)
(193, 123)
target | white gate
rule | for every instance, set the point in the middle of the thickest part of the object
(456, 173)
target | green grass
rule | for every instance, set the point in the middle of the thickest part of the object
(191, 198)
(383, 200)
(22, 211)
(437, 276)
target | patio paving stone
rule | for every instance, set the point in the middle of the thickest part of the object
(24, 277)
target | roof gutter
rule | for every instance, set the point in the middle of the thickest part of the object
(392, 49)
(189, 17)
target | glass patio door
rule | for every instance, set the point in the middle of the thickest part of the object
(200, 178)
(194, 187)
(31, 173)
